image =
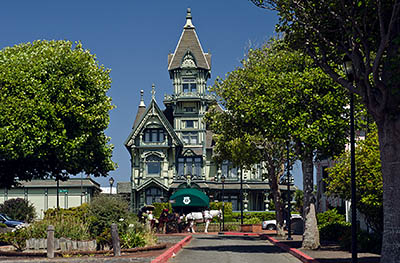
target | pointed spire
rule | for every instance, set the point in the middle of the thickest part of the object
(153, 92)
(189, 19)
(141, 104)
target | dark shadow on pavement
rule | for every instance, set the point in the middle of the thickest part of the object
(240, 249)
(346, 260)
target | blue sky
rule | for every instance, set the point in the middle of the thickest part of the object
(133, 39)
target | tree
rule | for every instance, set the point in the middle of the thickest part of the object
(368, 180)
(282, 95)
(53, 112)
(245, 149)
(19, 209)
(368, 33)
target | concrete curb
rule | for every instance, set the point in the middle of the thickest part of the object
(293, 251)
(172, 251)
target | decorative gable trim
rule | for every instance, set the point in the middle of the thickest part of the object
(152, 111)
(152, 181)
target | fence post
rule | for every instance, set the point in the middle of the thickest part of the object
(50, 241)
(115, 240)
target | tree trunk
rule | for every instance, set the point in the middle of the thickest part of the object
(311, 233)
(274, 185)
(389, 144)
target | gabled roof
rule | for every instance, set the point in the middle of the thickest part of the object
(152, 181)
(152, 110)
(189, 42)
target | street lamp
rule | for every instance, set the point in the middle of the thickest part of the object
(349, 70)
(223, 202)
(288, 221)
(111, 181)
(241, 195)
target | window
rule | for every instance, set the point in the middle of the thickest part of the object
(189, 85)
(181, 167)
(228, 170)
(190, 138)
(153, 163)
(189, 124)
(189, 109)
(189, 165)
(153, 195)
(154, 135)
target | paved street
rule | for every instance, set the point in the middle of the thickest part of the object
(241, 249)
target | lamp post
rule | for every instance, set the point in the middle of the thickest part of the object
(289, 237)
(223, 202)
(348, 69)
(188, 180)
(111, 181)
(241, 195)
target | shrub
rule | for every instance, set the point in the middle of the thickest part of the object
(232, 227)
(366, 242)
(69, 223)
(105, 210)
(330, 216)
(252, 220)
(334, 231)
(159, 207)
(227, 210)
(332, 225)
(19, 209)
(262, 216)
(132, 234)
(79, 212)
(15, 238)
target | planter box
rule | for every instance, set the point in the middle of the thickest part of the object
(246, 228)
(255, 228)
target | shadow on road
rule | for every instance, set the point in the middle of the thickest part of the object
(251, 248)
(240, 249)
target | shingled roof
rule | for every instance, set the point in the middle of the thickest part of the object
(141, 110)
(189, 42)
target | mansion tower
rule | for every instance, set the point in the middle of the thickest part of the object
(170, 147)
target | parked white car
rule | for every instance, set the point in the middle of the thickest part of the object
(271, 224)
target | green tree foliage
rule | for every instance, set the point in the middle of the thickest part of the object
(19, 209)
(298, 198)
(53, 112)
(105, 210)
(368, 33)
(369, 184)
(280, 94)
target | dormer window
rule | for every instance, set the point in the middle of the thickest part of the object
(154, 135)
(189, 85)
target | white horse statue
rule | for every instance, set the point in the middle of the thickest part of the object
(199, 217)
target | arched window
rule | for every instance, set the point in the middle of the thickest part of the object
(153, 164)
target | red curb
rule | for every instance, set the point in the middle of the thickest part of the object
(171, 251)
(238, 234)
(293, 251)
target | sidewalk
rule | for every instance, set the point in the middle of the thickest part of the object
(328, 253)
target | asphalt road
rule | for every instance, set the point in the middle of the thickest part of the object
(232, 249)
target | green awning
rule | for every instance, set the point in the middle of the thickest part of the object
(189, 197)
